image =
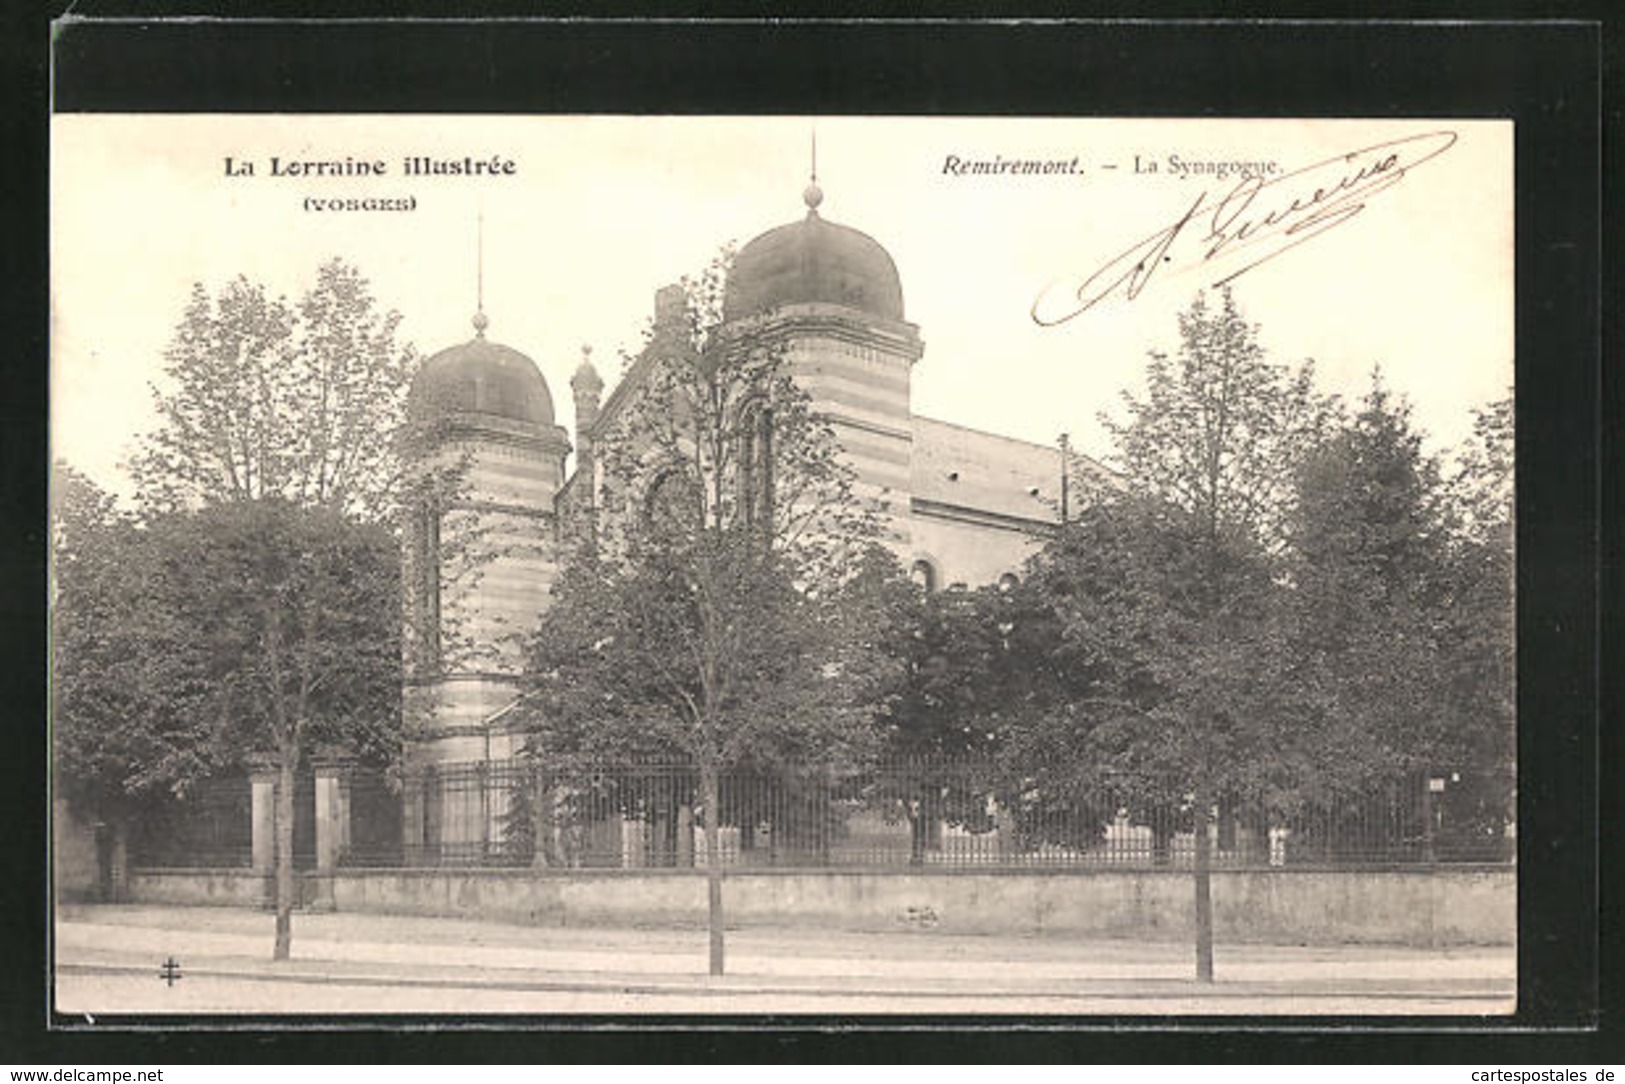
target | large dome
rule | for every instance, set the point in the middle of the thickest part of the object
(813, 260)
(481, 377)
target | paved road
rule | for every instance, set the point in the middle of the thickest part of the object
(108, 963)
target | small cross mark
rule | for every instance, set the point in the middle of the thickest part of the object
(170, 972)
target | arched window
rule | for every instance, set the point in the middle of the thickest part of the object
(756, 464)
(1009, 582)
(426, 557)
(923, 574)
(672, 506)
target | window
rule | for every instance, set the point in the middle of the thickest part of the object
(923, 574)
(426, 559)
(674, 506)
(756, 465)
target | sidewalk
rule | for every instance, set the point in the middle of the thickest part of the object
(108, 958)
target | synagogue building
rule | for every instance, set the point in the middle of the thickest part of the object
(961, 508)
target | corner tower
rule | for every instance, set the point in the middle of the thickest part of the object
(832, 295)
(481, 552)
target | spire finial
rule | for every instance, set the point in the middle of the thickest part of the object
(481, 322)
(812, 195)
(586, 379)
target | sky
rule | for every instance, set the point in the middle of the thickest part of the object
(599, 212)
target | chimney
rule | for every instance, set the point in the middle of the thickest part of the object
(671, 313)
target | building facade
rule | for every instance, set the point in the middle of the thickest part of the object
(960, 508)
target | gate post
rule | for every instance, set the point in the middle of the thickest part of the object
(332, 824)
(262, 804)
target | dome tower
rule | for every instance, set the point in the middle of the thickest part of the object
(480, 549)
(832, 295)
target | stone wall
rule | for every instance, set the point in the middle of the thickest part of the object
(1441, 906)
(205, 887)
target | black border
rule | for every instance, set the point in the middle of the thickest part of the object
(1545, 75)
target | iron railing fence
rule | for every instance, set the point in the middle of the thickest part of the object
(942, 812)
(898, 813)
(210, 826)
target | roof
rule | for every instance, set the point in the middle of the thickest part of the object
(968, 468)
(813, 260)
(482, 377)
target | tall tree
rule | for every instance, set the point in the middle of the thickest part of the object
(1368, 575)
(1175, 595)
(264, 398)
(715, 613)
(1480, 641)
(294, 614)
(290, 419)
(1401, 596)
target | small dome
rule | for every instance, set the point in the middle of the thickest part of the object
(481, 377)
(813, 260)
(586, 376)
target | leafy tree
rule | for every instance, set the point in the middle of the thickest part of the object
(1369, 586)
(294, 614)
(1167, 583)
(186, 644)
(283, 426)
(1401, 628)
(714, 613)
(264, 398)
(975, 680)
(1219, 429)
(1483, 481)
(1091, 743)
(130, 723)
(1480, 644)
(935, 723)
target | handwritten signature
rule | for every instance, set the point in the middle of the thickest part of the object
(1253, 223)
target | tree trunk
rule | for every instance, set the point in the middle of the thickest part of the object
(1202, 867)
(713, 864)
(284, 860)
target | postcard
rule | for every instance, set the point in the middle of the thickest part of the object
(1185, 444)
